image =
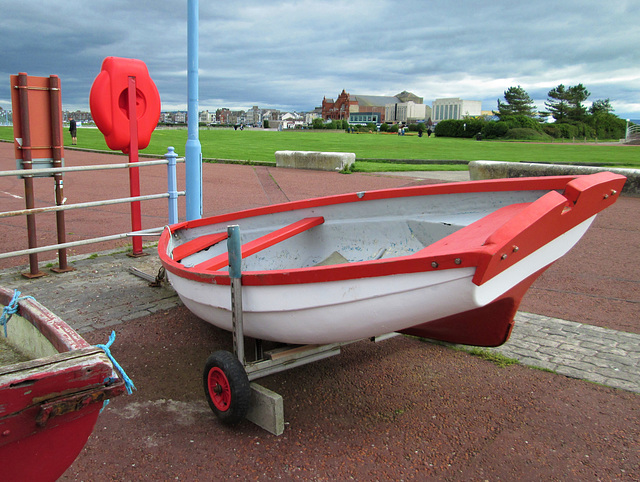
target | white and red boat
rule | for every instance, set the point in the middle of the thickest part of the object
(449, 262)
(53, 385)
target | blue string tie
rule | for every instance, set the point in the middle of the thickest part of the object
(12, 308)
(128, 383)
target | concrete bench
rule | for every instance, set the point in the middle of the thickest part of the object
(498, 170)
(323, 161)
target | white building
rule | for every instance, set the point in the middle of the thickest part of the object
(291, 120)
(180, 117)
(455, 108)
(207, 117)
(406, 112)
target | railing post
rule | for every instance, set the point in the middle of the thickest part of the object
(56, 151)
(172, 182)
(34, 271)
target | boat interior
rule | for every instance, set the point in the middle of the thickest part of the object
(340, 233)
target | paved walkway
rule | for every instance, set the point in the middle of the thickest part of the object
(102, 292)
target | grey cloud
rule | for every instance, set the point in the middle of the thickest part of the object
(292, 53)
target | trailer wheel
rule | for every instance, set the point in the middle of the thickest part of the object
(226, 386)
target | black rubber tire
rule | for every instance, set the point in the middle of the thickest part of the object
(227, 388)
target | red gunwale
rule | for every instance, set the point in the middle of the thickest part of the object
(60, 335)
(534, 226)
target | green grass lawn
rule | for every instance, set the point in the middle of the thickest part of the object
(260, 145)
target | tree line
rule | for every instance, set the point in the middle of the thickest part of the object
(519, 119)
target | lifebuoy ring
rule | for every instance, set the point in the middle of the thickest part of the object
(108, 101)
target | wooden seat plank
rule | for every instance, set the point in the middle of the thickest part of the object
(263, 242)
(197, 244)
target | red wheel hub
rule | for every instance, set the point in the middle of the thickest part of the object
(219, 389)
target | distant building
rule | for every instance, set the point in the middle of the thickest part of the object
(338, 109)
(291, 120)
(207, 117)
(347, 104)
(79, 116)
(223, 115)
(455, 108)
(365, 117)
(238, 117)
(254, 116)
(314, 114)
(406, 113)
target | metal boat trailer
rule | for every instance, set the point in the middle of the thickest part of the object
(228, 377)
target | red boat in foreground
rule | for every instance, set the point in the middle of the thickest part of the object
(53, 385)
(449, 261)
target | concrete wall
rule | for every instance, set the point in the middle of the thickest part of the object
(322, 161)
(498, 170)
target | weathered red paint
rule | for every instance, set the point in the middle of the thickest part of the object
(489, 325)
(49, 406)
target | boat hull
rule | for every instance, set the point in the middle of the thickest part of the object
(456, 259)
(52, 396)
(415, 303)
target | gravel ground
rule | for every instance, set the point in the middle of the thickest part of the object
(401, 409)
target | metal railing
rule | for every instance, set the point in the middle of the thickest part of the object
(171, 159)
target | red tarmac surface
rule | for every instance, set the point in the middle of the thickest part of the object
(597, 283)
(399, 410)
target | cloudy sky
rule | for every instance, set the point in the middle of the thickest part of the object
(290, 54)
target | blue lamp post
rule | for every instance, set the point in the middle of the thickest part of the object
(193, 149)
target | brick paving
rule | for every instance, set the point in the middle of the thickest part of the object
(576, 350)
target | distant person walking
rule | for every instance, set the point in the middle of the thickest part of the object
(73, 131)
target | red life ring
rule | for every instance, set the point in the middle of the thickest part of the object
(109, 102)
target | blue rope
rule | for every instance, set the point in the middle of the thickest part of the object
(11, 309)
(128, 383)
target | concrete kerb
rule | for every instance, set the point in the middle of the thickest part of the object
(499, 170)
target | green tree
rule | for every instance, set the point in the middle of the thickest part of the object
(558, 103)
(601, 107)
(518, 102)
(604, 123)
(565, 103)
(577, 95)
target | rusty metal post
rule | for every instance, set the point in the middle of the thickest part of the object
(34, 272)
(56, 151)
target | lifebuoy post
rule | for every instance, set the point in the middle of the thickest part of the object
(134, 172)
(125, 105)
